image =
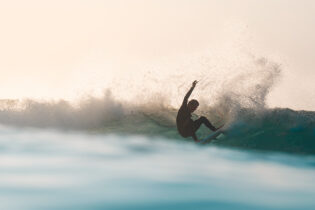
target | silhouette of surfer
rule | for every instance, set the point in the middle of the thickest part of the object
(185, 125)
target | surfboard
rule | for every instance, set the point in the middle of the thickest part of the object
(212, 135)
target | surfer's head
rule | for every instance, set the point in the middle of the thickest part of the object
(192, 105)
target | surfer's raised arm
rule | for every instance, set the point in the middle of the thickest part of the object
(189, 92)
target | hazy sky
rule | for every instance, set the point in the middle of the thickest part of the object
(56, 48)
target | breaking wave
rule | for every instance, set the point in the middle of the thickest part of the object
(237, 99)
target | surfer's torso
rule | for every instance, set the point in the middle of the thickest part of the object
(184, 121)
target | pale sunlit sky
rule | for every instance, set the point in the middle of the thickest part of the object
(53, 49)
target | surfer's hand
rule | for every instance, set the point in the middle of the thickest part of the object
(194, 83)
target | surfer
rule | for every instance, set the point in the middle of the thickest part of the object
(185, 125)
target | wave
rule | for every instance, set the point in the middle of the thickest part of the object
(237, 99)
(276, 129)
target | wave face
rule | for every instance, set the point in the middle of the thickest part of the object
(274, 129)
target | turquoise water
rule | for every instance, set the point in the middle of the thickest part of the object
(108, 154)
(51, 169)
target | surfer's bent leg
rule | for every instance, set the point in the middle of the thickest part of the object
(203, 120)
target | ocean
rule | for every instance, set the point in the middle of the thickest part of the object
(103, 155)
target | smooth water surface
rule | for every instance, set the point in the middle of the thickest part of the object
(43, 169)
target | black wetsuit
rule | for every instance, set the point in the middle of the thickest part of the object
(185, 125)
(184, 122)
